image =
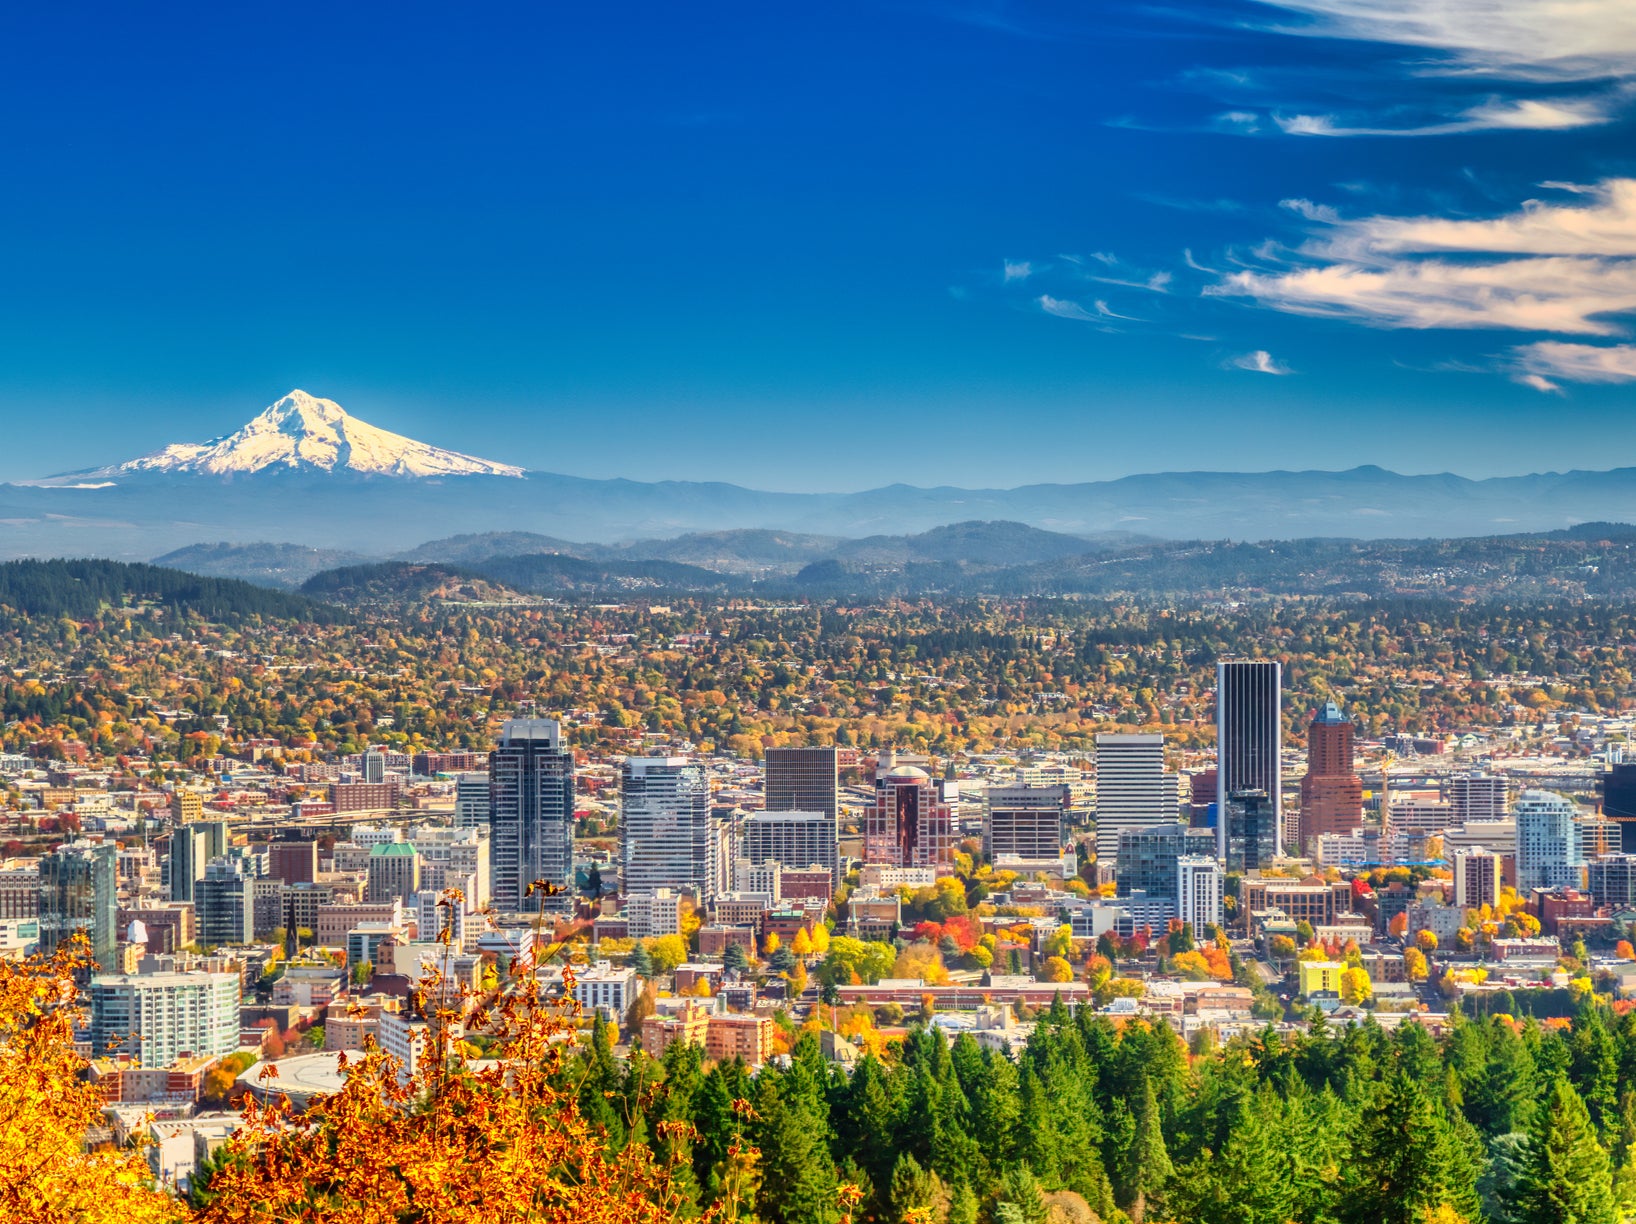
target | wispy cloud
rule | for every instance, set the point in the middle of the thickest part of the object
(1566, 268)
(1259, 362)
(1062, 308)
(1556, 268)
(1497, 114)
(1099, 311)
(1540, 364)
(1560, 40)
(1017, 270)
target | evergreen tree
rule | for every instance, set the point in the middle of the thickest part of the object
(963, 1206)
(641, 961)
(1408, 1160)
(1595, 1067)
(1566, 1177)
(914, 1189)
(1018, 1199)
(1145, 1164)
(798, 1177)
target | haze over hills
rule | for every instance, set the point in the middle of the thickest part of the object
(306, 472)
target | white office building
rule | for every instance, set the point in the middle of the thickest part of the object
(156, 1018)
(607, 990)
(1132, 789)
(1549, 854)
(1198, 892)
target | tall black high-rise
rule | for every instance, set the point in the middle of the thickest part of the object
(1619, 803)
(1249, 739)
(531, 816)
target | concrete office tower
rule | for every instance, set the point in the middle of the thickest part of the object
(531, 815)
(1474, 796)
(375, 767)
(1132, 789)
(394, 873)
(79, 891)
(1025, 821)
(803, 780)
(1477, 876)
(1548, 850)
(159, 1017)
(909, 824)
(224, 902)
(795, 839)
(471, 801)
(293, 862)
(1331, 792)
(1417, 818)
(664, 826)
(191, 847)
(1198, 891)
(1249, 738)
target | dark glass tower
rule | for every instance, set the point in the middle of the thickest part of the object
(1619, 803)
(79, 891)
(1249, 739)
(531, 816)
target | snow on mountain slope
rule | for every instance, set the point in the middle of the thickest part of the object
(305, 433)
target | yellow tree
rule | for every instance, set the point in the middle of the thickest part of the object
(449, 1143)
(47, 1109)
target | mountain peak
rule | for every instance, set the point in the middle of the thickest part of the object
(303, 432)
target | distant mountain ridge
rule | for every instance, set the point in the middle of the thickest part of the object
(698, 558)
(305, 472)
(1592, 561)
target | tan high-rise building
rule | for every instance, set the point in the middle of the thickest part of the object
(186, 806)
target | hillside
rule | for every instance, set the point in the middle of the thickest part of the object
(275, 565)
(83, 589)
(403, 582)
(544, 574)
(472, 547)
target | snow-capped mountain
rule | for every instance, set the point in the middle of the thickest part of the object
(304, 433)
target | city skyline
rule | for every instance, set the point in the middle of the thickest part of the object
(1031, 239)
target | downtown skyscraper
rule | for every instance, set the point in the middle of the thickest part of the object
(531, 816)
(664, 826)
(1249, 739)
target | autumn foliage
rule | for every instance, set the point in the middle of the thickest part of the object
(451, 1144)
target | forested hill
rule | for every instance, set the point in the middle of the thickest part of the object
(86, 588)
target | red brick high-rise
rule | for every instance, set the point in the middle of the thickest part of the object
(1332, 792)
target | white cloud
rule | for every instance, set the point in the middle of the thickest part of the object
(1605, 226)
(1497, 114)
(1550, 295)
(1576, 40)
(1538, 364)
(1065, 309)
(1259, 362)
(1562, 268)
(1016, 270)
(1311, 211)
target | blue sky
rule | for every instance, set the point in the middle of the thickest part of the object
(831, 246)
